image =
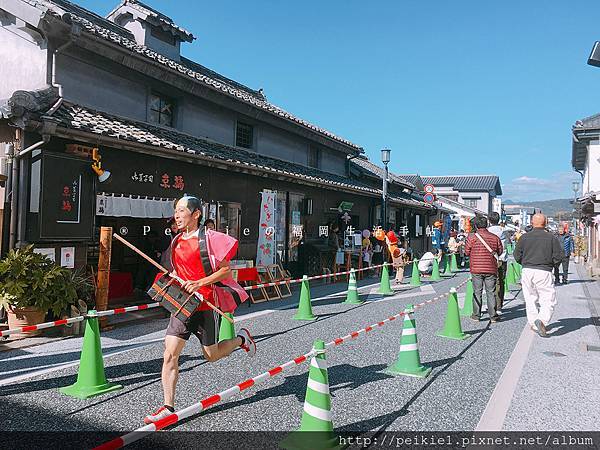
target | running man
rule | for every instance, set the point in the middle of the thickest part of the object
(191, 263)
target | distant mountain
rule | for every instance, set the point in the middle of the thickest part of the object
(548, 207)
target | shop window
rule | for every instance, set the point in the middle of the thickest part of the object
(314, 157)
(244, 135)
(162, 109)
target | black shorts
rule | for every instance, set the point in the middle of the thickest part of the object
(203, 324)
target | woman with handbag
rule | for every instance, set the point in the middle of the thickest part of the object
(201, 260)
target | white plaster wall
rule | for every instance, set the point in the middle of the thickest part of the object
(20, 54)
(591, 181)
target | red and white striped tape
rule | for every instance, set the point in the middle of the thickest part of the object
(315, 277)
(41, 326)
(58, 323)
(228, 393)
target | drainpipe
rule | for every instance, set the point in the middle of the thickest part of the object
(13, 157)
(54, 83)
(13, 161)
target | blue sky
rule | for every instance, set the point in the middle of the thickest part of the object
(464, 87)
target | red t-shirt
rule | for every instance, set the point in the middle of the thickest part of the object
(186, 260)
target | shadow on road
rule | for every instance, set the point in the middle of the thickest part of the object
(150, 369)
(342, 376)
(567, 325)
(381, 423)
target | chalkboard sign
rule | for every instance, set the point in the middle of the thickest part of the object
(67, 199)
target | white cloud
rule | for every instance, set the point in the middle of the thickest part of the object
(526, 188)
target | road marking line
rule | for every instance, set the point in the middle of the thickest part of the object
(497, 407)
(8, 381)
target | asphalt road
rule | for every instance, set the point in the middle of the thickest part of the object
(364, 397)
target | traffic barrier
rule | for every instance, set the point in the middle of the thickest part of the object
(435, 271)
(71, 320)
(304, 306)
(452, 327)
(314, 277)
(227, 329)
(453, 264)
(228, 393)
(467, 309)
(91, 380)
(409, 361)
(384, 286)
(352, 297)
(316, 427)
(415, 278)
(58, 323)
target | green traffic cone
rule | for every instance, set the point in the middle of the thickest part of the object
(91, 380)
(453, 264)
(452, 328)
(518, 268)
(435, 272)
(384, 286)
(510, 275)
(304, 306)
(352, 297)
(316, 427)
(447, 266)
(467, 309)
(409, 361)
(415, 279)
(227, 329)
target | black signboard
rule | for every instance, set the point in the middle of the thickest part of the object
(67, 201)
(139, 174)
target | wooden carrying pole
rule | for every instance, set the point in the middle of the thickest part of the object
(103, 272)
(162, 269)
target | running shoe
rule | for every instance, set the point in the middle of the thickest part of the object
(159, 414)
(541, 328)
(249, 346)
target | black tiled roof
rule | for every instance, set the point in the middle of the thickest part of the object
(414, 179)
(75, 117)
(588, 122)
(466, 182)
(156, 18)
(105, 29)
(379, 172)
(84, 119)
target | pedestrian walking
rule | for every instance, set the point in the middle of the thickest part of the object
(567, 243)
(538, 252)
(483, 249)
(502, 233)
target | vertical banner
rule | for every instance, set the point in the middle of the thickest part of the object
(265, 251)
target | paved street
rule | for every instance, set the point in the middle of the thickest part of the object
(364, 398)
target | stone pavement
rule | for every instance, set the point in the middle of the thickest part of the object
(553, 383)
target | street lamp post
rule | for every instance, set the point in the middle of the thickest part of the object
(385, 158)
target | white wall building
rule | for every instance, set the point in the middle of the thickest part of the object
(585, 159)
(474, 191)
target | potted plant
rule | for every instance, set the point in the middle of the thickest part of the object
(84, 287)
(31, 285)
